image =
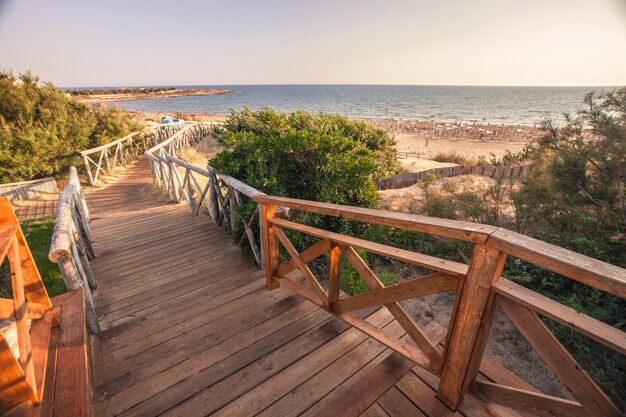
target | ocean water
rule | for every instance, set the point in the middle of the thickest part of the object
(508, 105)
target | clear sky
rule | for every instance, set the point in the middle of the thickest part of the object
(466, 42)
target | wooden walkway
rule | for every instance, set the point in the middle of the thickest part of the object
(189, 329)
(35, 209)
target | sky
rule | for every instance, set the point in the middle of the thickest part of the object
(422, 42)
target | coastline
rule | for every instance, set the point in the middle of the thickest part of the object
(419, 142)
(103, 98)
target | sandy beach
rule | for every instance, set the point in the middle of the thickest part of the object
(102, 98)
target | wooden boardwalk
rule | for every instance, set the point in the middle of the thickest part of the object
(189, 329)
(35, 209)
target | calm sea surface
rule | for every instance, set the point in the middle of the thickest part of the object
(508, 105)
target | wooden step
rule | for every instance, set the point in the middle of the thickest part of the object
(40, 341)
(64, 375)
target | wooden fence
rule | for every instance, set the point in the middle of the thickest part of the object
(71, 245)
(409, 178)
(28, 190)
(480, 290)
(224, 198)
(105, 158)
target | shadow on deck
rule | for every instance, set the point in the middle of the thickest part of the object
(189, 329)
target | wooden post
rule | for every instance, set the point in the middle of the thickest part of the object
(190, 192)
(120, 152)
(88, 170)
(270, 241)
(153, 170)
(262, 242)
(173, 185)
(105, 155)
(231, 208)
(73, 282)
(162, 175)
(485, 268)
(334, 272)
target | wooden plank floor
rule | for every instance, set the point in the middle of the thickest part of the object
(189, 329)
(36, 209)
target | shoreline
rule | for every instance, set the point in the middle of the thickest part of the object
(105, 98)
(419, 143)
(434, 128)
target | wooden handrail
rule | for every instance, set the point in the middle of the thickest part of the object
(220, 195)
(598, 274)
(469, 232)
(110, 144)
(28, 189)
(71, 245)
(127, 148)
(480, 290)
(590, 271)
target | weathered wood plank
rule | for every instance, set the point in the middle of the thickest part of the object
(397, 405)
(72, 387)
(234, 353)
(40, 341)
(329, 380)
(364, 392)
(268, 392)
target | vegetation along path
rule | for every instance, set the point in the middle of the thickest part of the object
(189, 329)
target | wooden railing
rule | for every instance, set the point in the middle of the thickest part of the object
(28, 189)
(105, 158)
(71, 245)
(21, 379)
(223, 197)
(480, 290)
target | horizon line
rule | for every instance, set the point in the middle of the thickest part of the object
(339, 84)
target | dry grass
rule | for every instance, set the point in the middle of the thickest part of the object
(156, 192)
(192, 155)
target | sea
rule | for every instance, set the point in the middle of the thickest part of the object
(526, 106)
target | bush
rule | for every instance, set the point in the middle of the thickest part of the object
(313, 157)
(41, 129)
(453, 157)
(270, 123)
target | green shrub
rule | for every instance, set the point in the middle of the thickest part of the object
(41, 129)
(453, 157)
(313, 157)
(267, 122)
